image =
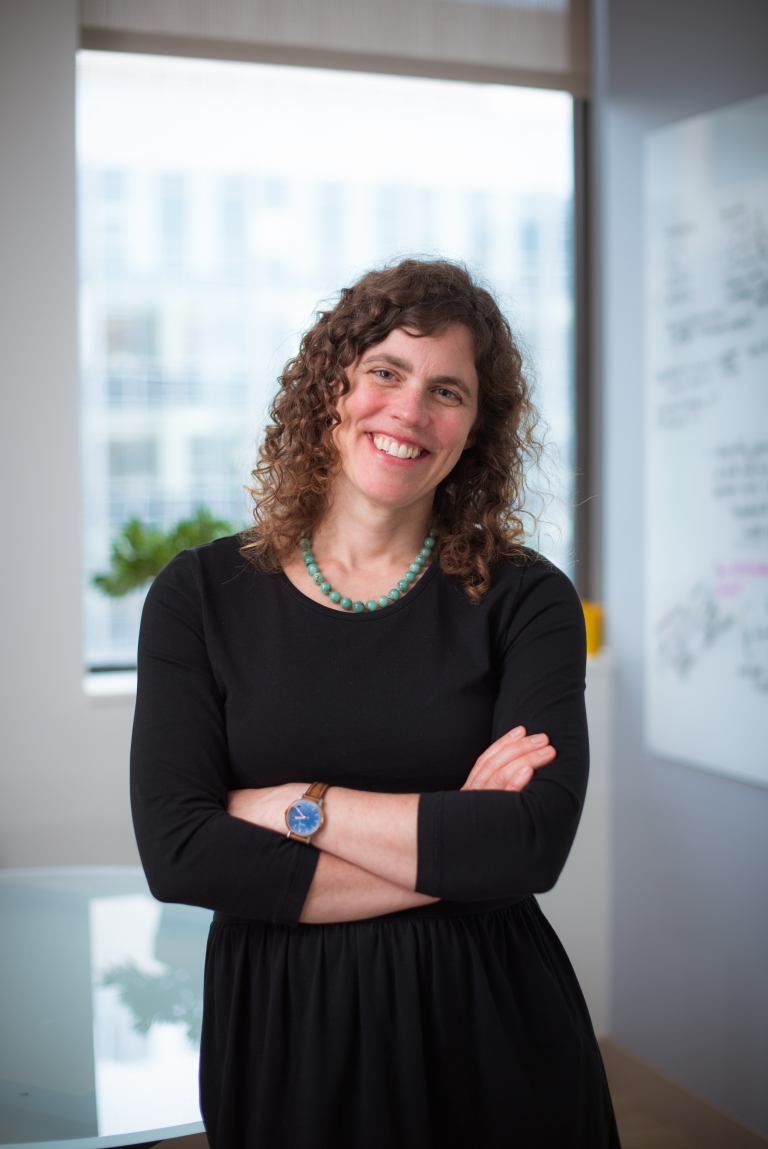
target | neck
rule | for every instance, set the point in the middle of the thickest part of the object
(360, 534)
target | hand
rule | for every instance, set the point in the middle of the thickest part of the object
(509, 763)
(265, 807)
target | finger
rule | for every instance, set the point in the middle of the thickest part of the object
(513, 752)
(519, 781)
(517, 775)
(507, 775)
(494, 763)
(545, 756)
(508, 739)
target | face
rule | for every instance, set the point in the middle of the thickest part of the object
(408, 414)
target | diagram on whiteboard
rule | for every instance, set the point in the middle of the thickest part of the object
(706, 524)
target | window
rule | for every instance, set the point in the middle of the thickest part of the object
(221, 203)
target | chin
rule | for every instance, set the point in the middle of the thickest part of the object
(392, 499)
(388, 494)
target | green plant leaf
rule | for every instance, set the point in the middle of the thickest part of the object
(140, 551)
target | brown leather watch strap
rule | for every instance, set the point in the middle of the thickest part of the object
(316, 790)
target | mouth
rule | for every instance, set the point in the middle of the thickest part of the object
(396, 448)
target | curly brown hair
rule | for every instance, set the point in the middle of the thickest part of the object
(478, 508)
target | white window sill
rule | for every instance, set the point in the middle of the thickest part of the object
(111, 686)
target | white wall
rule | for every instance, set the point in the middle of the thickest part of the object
(579, 907)
(64, 761)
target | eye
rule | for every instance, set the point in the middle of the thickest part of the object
(446, 393)
(383, 373)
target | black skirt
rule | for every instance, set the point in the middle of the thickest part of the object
(418, 1032)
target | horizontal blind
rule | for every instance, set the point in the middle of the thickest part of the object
(541, 43)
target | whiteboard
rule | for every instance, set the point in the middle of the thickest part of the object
(706, 457)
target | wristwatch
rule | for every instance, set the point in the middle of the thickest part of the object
(304, 817)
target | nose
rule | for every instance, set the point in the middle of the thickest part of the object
(409, 406)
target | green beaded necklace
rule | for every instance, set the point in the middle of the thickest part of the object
(404, 584)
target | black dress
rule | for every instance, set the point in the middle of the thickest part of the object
(457, 1024)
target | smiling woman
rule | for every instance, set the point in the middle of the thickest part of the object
(381, 974)
(384, 398)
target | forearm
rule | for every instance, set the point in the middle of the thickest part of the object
(342, 892)
(376, 832)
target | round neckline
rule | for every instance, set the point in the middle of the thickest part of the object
(368, 615)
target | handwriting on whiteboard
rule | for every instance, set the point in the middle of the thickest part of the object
(706, 664)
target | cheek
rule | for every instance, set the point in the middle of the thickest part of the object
(366, 400)
(455, 432)
(351, 408)
(358, 403)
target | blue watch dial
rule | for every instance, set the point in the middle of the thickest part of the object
(304, 816)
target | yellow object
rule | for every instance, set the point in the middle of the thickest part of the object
(593, 617)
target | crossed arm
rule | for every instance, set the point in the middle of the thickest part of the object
(368, 842)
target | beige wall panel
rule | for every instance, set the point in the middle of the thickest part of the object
(529, 39)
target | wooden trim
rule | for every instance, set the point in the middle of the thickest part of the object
(154, 44)
(674, 1104)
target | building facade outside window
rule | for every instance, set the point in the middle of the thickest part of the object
(221, 203)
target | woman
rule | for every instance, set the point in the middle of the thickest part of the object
(378, 972)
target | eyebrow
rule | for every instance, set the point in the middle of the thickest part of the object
(405, 365)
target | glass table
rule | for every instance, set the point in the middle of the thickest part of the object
(100, 1010)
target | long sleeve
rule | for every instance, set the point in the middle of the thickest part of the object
(192, 850)
(485, 844)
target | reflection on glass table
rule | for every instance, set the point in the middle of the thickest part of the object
(100, 1010)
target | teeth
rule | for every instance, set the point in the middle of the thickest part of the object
(398, 450)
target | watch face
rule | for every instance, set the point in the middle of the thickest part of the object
(304, 816)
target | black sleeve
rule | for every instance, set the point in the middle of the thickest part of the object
(476, 845)
(192, 850)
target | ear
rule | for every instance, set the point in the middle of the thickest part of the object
(471, 440)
